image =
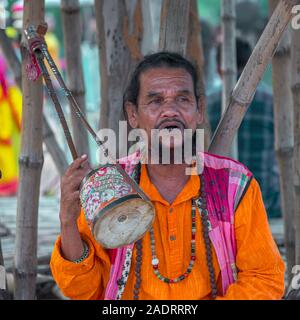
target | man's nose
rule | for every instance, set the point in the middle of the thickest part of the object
(170, 109)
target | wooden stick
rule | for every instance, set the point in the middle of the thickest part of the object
(293, 293)
(31, 162)
(104, 108)
(245, 89)
(196, 55)
(296, 99)
(3, 291)
(119, 25)
(229, 59)
(11, 57)
(72, 42)
(284, 140)
(174, 25)
(54, 149)
(57, 105)
(147, 43)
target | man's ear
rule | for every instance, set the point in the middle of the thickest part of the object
(201, 109)
(131, 111)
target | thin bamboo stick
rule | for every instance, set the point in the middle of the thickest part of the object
(72, 39)
(104, 111)
(245, 88)
(284, 139)
(53, 148)
(31, 162)
(229, 59)
(11, 57)
(3, 285)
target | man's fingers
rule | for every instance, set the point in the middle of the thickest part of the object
(85, 168)
(77, 164)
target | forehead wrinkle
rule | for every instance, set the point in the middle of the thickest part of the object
(153, 93)
(154, 76)
(179, 80)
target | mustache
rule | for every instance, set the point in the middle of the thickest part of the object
(170, 120)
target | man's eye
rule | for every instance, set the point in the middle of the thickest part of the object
(182, 99)
(156, 101)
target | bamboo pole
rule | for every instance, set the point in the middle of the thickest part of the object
(295, 52)
(31, 162)
(284, 139)
(229, 59)
(174, 25)
(196, 55)
(50, 141)
(72, 42)
(3, 292)
(104, 111)
(148, 34)
(3, 284)
(11, 58)
(155, 7)
(293, 289)
(244, 90)
(120, 32)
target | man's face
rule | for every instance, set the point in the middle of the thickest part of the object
(166, 101)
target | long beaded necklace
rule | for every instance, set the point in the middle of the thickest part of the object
(155, 261)
(201, 204)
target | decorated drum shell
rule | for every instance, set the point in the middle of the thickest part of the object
(115, 212)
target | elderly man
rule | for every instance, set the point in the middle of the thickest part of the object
(210, 238)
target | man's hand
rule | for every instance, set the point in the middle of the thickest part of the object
(70, 182)
(71, 243)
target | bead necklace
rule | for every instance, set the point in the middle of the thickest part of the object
(201, 204)
(155, 260)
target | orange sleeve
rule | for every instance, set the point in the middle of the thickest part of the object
(261, 268)
(86, 280)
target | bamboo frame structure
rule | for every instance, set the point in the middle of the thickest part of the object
(31, 162)
(72, 42)
(244, 90)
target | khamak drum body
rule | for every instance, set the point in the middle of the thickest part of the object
(116, 213)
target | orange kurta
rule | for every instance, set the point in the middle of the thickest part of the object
(261, 269)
